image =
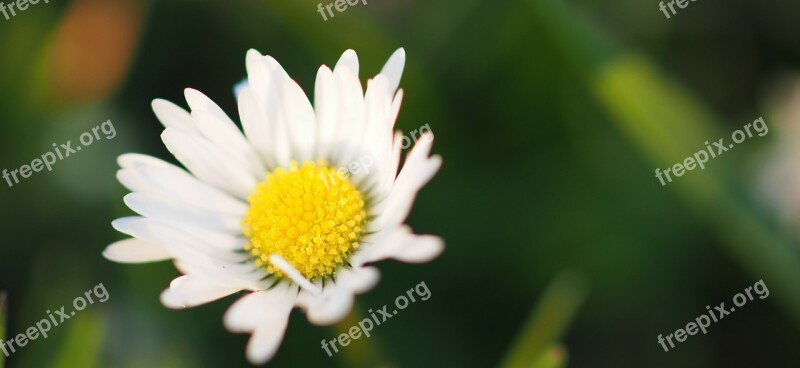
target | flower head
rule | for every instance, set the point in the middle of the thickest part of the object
(294, 211)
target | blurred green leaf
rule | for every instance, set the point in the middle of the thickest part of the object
(667, 125)
(634, 92)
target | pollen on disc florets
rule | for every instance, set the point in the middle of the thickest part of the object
(312, 216)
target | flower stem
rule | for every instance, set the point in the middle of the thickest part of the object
(536, 345)
(364, 351)
(83, 344)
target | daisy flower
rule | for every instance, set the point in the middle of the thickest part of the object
(279, 210)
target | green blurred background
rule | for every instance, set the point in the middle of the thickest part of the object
(551, 117)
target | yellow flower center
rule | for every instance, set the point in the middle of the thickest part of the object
(312, 216)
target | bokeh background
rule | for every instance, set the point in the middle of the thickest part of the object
(563, 249)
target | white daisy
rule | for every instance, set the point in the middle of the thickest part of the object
(270, 211)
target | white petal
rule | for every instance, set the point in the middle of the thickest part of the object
(416, 158)
(376, 139)
(189, 291)
(393, 69)
(275, 67)
(188, 245)
(255, 308)
(173, 212)
(293, 273)
(358, 279)
(385, 146)
(389, 164)
(326, 106)
(122, 224)
(200, 102)
(331, 306)
(394, 111)
(300, 121)
(349, 61)
(193, 256)
(282, 142)
(178, 185)
(259, 77)
(352, 116)
(417, 171)
(133, 160)
(220, 130)
(209, 163)
(226, 273)
(135, 251)
(216, 239)
(420, 249)
(266, 78)
(265, 341)
(266, 315)
(173, 116)
(402, 245)
(255, 125)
